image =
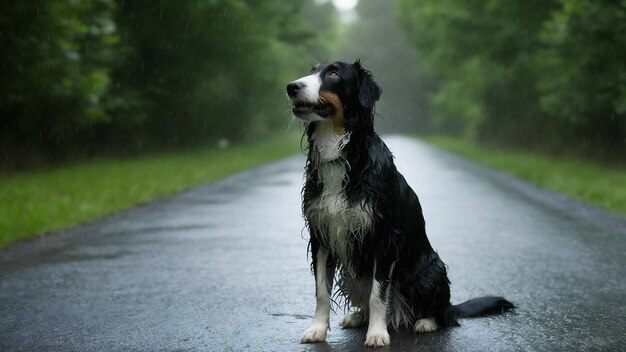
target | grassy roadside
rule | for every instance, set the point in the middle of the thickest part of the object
(600, 185)
(32, 203)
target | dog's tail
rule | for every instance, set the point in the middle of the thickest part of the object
(476, 307)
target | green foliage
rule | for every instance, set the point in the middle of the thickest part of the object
(586, 181)
(584, 69)
(56, 56)
(98, 76)
(35, 202)
(525, 72)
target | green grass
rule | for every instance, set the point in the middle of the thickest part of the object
(32, 203)
(601, 185)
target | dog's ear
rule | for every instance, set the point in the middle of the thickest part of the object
(369, 91)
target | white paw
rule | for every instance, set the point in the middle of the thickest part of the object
(315, 333)
(426, 325)
(377, 337)
(352, 320)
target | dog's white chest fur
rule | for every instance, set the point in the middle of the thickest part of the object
(330, 214)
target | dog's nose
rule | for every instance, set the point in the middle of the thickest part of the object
(293, 88)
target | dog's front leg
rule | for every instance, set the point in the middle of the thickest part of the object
(377, 335)
(324, 273)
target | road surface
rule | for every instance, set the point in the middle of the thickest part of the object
(223, 267)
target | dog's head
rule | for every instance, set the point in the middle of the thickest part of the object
(344, 93)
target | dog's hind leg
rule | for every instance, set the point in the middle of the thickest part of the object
(358, 291)
(324, 273)
(353, 320)
(426, 325)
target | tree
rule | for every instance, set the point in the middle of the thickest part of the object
(55, 63)
(583, 70)
(526, 72)
(481, 54)
(118, 76)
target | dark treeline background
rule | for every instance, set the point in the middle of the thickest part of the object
(92, 77)
(377, 37)
(82, 78)
(536, 73)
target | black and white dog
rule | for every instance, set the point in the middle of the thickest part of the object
(365, 222)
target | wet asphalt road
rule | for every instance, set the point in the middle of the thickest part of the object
(223, 267)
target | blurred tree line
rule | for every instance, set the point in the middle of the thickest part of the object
(548, 73)
(88, 77)
(382, 44)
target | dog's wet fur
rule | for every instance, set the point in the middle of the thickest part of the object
(367, 231)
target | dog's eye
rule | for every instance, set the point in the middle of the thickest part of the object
(333, 74)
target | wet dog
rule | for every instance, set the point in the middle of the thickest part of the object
(367, 231)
